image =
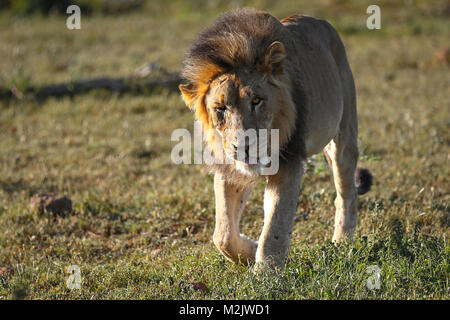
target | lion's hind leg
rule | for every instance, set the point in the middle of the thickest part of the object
(230, 202)
(342, 155)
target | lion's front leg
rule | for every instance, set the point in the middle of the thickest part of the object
(230, 202)
(280, 203)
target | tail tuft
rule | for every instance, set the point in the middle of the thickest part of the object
(363, 180)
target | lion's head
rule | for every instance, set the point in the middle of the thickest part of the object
(237, 82)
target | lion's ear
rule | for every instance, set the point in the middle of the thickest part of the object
(189, 94)
(274, 56)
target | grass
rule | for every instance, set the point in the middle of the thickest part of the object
(141, 226)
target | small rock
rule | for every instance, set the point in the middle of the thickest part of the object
(51, 203)
(200, 286)
(156, 252)
(442, 56)
(5, 271)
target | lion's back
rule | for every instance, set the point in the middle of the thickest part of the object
(320, 70)
(314, 34)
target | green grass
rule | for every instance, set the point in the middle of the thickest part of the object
(142, 226)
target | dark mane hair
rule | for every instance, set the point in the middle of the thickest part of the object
(237, 38)
(240, 38)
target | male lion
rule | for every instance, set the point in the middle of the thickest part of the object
(250, 71)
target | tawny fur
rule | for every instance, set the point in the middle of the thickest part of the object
(299, 68)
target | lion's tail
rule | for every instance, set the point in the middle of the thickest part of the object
(363, 180)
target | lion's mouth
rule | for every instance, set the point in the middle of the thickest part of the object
(249, 162)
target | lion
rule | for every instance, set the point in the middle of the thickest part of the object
(249, 70)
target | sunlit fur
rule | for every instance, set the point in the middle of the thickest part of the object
(299, 66)
(236, 45)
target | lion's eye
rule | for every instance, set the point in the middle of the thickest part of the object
(256, 101)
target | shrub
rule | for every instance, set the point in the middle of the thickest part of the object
(60, 6)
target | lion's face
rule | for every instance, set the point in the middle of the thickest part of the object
(240, 104)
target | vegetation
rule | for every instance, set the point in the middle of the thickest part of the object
(141, 226)
(45, 7)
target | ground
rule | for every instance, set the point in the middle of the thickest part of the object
(141, 226)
